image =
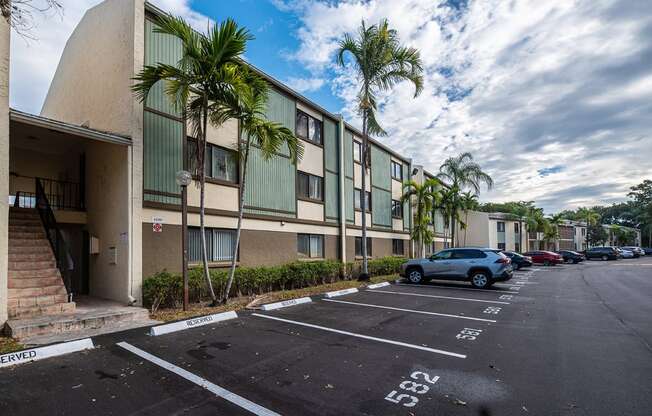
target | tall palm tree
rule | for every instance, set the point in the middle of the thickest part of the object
(423, 197)
(381, 62)
(535, 222)
(469, 203)
(448, 211)
(461, 172)
(554, 222)
(591, 217)
(256, 130)
(198, 85)
(522, 210)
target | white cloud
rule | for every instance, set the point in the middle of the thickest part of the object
(33, 62)
(303, 85)
(538, 85)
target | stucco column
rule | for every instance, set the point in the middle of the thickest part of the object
(342, 192)
(4, 165)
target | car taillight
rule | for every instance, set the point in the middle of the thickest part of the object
(503, 260)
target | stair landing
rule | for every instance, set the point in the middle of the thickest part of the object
(92, 316)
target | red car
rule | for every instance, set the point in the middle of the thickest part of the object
(547, 258)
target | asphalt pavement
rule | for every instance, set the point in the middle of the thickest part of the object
(562, 340)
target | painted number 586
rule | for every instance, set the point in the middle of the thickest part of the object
(409, 400)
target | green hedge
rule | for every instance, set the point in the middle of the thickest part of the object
(166, 289)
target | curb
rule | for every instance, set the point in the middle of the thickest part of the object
(342, 292)
(191, 323)
(39, 353)
(377, 285)
(285, 303)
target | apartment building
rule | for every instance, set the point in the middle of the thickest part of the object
(612, 235)
(100, 166)
(492, 229)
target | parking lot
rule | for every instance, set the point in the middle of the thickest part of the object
(571, 339)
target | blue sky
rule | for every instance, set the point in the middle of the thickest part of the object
(553, 98)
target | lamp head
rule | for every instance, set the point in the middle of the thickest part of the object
(183, 178)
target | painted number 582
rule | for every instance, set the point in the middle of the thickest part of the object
(408, 400)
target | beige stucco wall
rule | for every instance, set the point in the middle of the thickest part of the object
(477, 231)
(107, 183)
(216, 196)
(309, 111)
(225, 135)
(313, 159)
(357, 177)
(92, 85)
(397, 190)
(4, 164)
(310, 211)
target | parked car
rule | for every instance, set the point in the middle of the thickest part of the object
(547, 258)
(603, 253)
(571, 256)
(636, 250)
(481, 266)
(625, 254)
(518, 260)
(647, 250)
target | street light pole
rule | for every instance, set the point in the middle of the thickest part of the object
(183, 179)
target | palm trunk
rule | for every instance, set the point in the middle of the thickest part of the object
(453, 230)
(363, 194)
(202, 186)
(229, 282)
(466, 220)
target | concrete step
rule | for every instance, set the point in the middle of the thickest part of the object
(39, 235)
(70, 325)
(26, 222)
(44, 255)
(31, 265)
(34, 282)
(21, 312)
(16, 293)
(29, 274)
(29, 242)
(25, 228)
(30, 249)
(42, 300)
(23, 215)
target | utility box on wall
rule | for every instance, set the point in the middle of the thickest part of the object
(93, 245)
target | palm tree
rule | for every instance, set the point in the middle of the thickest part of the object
(591, 218)
(447, 208)
(554, 222)
(267, 136)
(198, 85)
(469, 203)
(461, 172)
(535, 222)
(423, 197)
(380, 62)
(522, 210)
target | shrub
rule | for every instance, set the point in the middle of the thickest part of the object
(166, 289)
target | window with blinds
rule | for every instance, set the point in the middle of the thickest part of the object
(310, 245)
(220, 244)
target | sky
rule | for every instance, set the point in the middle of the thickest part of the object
(553, 98)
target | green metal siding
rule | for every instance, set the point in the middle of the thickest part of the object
(270, 185)
(407, 215)
(165, 49)
(281, 109)
(380, 169)
(332, 198)
(330, 145)
(163, 149)
(381, 204)
(348, 154)
(348, 198)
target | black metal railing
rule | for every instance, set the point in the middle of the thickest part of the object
(24, 199)
(59, 246)
(62, 195)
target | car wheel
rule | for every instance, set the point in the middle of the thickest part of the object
(480, 280)
(575, 261)
(415, 276)
(546, 262)
(516, 266)
(605, 258)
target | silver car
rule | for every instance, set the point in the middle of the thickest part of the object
(481, 266)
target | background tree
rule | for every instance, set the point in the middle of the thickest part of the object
(554, 222)
(589, 216)
(267, 136)
(380, 62)
(202, 85)
(596, 234)
(469, 203)
(423, 198)
(19, 14)
(459, 173)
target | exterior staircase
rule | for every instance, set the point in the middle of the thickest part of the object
(35, 285)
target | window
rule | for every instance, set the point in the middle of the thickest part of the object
(468, 254)
(398, 247)
(308, 128)
(310, 186)
(358, 246)
(516, 229)
(397, 171)
(310, 245)
(357, 150)
(397, 209)
(220, 163)
(356, 199)
(501, 246)
(219, 244)
(443, 255)
(501, 226)
(517, 247)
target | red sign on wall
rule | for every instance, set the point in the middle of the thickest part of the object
(157, 227)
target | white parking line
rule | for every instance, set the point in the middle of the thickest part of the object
(353, 334)
(527, 283)
(213, 388)
(447, 315)
(456, 288)
(439, 297)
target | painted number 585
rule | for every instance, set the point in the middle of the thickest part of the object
(409, 400)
